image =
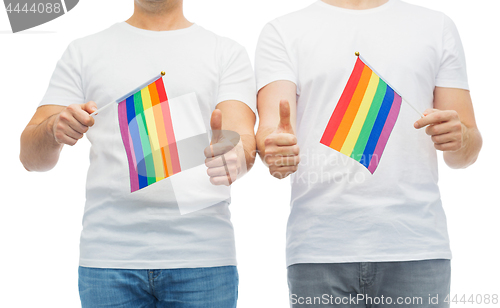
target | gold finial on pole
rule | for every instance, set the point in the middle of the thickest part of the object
(162, 73)
(357, 53)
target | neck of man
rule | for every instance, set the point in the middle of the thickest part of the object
(356, 4)
(159, 16)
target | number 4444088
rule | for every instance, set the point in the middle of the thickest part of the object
(47, 8)
(473, 299)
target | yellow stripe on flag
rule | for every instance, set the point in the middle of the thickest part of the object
(359, 120)
(153, 134)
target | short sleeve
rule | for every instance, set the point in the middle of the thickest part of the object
(65, 87)
(452, 71)
(237, 81)
(272, 58)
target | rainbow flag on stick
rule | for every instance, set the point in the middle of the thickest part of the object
(364, 117)
(148, 135)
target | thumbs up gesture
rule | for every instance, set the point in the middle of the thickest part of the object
(222, 156)
(281, 149)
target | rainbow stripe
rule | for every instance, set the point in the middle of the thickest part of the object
(364, 117)
(148, 136)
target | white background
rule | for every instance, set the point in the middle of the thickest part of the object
(40, 220)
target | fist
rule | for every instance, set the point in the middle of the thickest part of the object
(444, 127)
(281, 150)
(71, 123)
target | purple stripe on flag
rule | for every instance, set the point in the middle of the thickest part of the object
(122, 118)
(386, 132)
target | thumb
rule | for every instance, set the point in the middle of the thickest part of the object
(89, 107)
(285, 125)
(216, 124)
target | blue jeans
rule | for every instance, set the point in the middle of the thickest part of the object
(419, 284)
(211, 287)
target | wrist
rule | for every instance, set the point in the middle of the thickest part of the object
(465, 136)
(49, 130)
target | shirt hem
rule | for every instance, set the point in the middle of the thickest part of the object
(237, 97)
(265, 81)
(379, 258)
(58, 101)
(452, 84)
(157, 264)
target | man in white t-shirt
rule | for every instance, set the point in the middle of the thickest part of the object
(136, 248)
(359, 235)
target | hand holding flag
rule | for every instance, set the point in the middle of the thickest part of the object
(281, 149)
(222, 159)
(71, 123)
(444, 127)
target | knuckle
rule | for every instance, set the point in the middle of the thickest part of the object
(58, 135)
(71, 108)
(87, 122)
(269, 140)
(453, 113)
(207, 153)
(291, 139)
(268, 160)
(60, 127)
(231, 156)
(64, 116)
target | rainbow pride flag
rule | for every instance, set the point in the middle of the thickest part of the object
(364, 117)
(148, 135)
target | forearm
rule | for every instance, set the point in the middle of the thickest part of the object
(39, 149)
(467, 155)
(248, 142)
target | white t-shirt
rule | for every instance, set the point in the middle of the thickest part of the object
(340, 212)
(145, 229)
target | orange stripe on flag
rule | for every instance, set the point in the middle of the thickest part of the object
(160, 126)
(153, 92)
(167, 174)
(352, 110)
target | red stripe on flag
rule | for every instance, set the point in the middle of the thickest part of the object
(167, 118)
(343, 103)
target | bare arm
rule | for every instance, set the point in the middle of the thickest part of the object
(452, 127)
(50, 128)
(276, 140)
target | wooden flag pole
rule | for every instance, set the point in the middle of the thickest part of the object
(364, 61)
(128, 94)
